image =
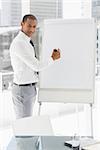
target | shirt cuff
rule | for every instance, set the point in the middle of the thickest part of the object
(51, 61)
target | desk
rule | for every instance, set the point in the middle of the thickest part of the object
(40, 143)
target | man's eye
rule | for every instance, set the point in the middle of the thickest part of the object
(34, 26)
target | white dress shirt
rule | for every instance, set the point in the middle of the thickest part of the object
(23, 60)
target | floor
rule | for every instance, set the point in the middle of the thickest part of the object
(66, 119)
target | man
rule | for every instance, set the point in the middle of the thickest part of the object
(25, 66)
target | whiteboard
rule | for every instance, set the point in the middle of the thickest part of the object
(70, 79)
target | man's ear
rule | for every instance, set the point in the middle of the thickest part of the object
(22, 23)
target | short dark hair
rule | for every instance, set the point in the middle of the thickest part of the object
(30, 16)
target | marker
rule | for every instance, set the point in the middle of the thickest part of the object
(55, 50)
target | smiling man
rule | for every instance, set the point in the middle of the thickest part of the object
(25, 66)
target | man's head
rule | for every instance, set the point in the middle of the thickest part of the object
(28, 24)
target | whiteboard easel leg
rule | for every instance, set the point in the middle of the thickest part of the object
(91, 119)
(40, 103)
(77, 119)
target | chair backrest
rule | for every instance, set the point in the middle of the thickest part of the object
(33, 126)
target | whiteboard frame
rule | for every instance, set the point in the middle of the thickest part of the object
(65, 95)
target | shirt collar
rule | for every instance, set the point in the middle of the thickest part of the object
(24, 36)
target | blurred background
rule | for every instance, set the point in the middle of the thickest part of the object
(11, 13)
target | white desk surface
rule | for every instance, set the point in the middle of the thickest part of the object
(46, 143)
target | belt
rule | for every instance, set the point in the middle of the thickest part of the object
(30, 84)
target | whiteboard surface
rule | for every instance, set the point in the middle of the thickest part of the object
(74, 73)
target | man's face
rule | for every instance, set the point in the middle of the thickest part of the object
(29, 27)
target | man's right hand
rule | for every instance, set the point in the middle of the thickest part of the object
(56, 54)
